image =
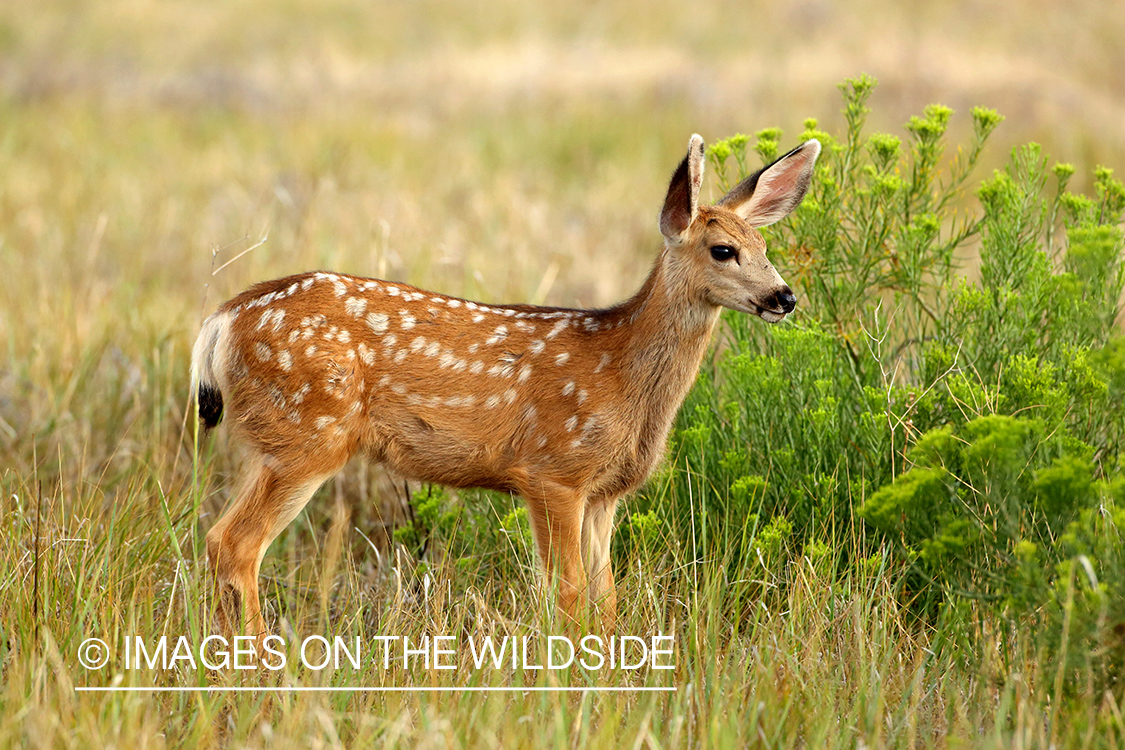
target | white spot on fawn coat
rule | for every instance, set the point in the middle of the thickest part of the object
(557, 328)
(355, 306)
(498, 335)
(271, 316)
(377, 322)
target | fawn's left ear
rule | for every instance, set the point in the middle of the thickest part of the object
(772, 192)
(682, 203)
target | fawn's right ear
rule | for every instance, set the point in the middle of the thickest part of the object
(682, 203)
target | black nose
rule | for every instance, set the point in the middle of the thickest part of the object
(785, 300)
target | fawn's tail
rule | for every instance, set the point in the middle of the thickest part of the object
(208, 358)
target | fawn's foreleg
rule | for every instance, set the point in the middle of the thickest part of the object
(556, 521)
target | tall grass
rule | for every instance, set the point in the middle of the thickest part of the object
(834, 661)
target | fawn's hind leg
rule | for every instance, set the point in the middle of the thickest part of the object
(597, 533)
(268, 501)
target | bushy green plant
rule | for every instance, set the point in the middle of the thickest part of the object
(775, 432)
(974, 421)
(976, 495)
(1006, 514)
(1082, 616)
(480, 532)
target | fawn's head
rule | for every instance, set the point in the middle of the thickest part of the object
(717, 250)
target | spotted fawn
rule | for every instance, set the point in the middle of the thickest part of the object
(568, 408)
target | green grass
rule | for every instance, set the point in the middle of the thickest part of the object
(507, 153)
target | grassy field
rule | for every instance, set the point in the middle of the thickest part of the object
(507, 151)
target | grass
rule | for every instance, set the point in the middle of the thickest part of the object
(518, 152)
(833, 663)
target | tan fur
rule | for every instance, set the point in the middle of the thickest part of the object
(568, 408)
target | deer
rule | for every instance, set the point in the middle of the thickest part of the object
(568, 408)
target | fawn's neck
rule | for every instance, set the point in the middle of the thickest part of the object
(662, 349)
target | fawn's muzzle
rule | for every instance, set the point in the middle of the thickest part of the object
(781, 302)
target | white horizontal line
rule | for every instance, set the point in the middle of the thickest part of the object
(367, 689)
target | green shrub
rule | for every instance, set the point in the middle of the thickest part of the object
(487, 533)
(976, 496)
(972, 422)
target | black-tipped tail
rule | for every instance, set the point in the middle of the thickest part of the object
(210, 405)
(210, 348)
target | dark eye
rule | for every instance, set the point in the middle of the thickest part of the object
(723, 253)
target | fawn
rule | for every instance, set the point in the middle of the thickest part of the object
(568, 408)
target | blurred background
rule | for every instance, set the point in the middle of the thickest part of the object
(503, 150)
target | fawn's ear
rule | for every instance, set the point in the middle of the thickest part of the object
(773, 191)
(682, 203)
